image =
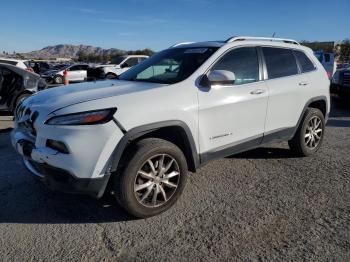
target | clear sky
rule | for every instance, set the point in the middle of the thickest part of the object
(133, 24)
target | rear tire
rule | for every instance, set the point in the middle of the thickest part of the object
(309, 136)
(145, 189)
(58, 80)
(111, 76)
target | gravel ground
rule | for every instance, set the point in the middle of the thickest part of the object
(260, 205)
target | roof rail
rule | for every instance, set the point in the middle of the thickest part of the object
(184, 43)
(243, 38)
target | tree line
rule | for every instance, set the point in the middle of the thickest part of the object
(97, 58)
(341, 50)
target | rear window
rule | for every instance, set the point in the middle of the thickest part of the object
(304, 61)
(280, 62)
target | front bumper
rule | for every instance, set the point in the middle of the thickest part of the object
(58, 179)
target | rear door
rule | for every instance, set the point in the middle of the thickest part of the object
(83, 72)
(73, 73)
(286, 87)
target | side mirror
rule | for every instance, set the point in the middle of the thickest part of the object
(221, 77)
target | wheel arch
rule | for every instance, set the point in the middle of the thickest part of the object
(12, 103)
(174, 131)
(319, 102)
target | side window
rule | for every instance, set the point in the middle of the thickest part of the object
(327, 58)
(280, 62)
(304, 61)
(243, 62)
(141, 59)
(131, 61)
(74, 68)
(84, 67)
(6, 72)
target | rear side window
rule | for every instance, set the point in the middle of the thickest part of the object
(280, 62)
(243, 62)
(304, 61)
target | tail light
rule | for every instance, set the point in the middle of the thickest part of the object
(29, 69)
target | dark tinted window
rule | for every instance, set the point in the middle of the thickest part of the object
(74, 68)
(280, 62)
(6, 72)
(117, 60)
(84, 67)
(131, 62)
(243, 62)
(304, 61)
(327, 58)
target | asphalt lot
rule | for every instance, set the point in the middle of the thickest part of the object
(260, 205)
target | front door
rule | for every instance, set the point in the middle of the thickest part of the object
(233, 115)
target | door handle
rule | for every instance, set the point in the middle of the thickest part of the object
(303, 83)
(257, 92)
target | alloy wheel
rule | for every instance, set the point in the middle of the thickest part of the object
(313, 132)
(157, 180)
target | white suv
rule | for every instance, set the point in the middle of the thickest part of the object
(174, 112)
(24, 64)
(120, 64)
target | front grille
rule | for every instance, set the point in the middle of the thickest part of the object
(26, 118)
(346, 79)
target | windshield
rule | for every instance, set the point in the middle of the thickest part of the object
(117, 60)
(169, 66)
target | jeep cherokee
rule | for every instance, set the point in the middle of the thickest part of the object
(172, 113)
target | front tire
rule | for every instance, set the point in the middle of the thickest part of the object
(309, 136)
(58, 80)
(152, 179)
(111, 76)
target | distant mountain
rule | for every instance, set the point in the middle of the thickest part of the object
(70, 51)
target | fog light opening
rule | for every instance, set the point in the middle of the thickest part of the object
(57, 145)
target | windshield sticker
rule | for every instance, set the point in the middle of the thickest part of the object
(196, 51)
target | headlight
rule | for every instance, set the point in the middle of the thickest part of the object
(30, 82)
(83, 118)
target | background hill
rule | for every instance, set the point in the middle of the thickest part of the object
(78, 51)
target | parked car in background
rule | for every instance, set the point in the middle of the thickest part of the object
(24, 64)
(75, 73)
(340, 84)
(119, 65)
(16, 84)
(327, 60)
(343, 65)
(179, 109)
(39, 67)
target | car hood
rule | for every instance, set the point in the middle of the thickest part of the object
(59, 97)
